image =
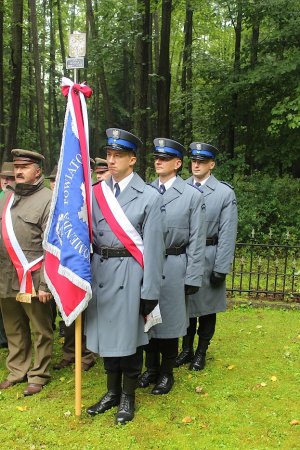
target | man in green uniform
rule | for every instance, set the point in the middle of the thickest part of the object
(24, 296)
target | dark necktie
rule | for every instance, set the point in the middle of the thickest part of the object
(162, 189)
(117, 190)
(197, 184)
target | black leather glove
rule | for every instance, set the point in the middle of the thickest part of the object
(190, 290)
(147, 306)
(217, 278)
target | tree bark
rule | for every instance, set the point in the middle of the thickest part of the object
(186, 80)
(61, 37)
(2, 118)
(164, 75)
(141, 78)
(38, 83)
(16, 64)
(101, 70)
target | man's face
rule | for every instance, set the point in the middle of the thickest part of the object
(27, 173)
(7, 181)
(100, 175)
(120, 164)
(201, 169)
(166, 167)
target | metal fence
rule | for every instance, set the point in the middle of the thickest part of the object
(266, 271)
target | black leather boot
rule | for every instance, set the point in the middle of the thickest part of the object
(187, 353)
(152, 373)
(112, 396)
(166, 379)
(198, 362)
(127, 402)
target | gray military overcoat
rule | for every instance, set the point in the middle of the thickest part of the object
(184, 211)
(221, 218)
(114, 326)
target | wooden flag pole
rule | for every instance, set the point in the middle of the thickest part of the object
(78, 326)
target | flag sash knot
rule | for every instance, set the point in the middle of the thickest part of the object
(119, 222)
(23, 267)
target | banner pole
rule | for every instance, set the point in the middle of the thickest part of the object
(78, 327)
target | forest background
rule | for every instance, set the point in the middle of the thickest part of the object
(221, 72)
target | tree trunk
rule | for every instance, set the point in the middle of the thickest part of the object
(236, 72)
(101, 70)
(38, 83)
(2, 129)
(61, 37)
(16, 75)
(141, 78)
(186, 80)
(164, 80)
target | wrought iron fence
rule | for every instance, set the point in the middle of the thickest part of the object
(266, 270)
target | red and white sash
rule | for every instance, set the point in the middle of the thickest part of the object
(19, 260)
(118, 221)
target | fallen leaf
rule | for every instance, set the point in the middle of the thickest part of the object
(67, 413)
(205, 394)
(190, 376)
(62, 379)
(258, 326)
(273, 378)
(263, 384)
(22, 408)
(199, 389)
(61, 340)
(187, 420)
(294, 422)
(203, 425)
(232, 366)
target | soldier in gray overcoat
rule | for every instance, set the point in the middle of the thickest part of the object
(123, 292)
(184, 211)
(221, 218)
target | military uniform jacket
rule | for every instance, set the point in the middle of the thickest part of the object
(114, 326)
(184, 212)
(221, 219)
(29, 212)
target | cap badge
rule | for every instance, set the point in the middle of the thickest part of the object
(198, 146)
(116, 134)
(161, 142)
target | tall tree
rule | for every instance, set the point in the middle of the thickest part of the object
(38, 82)
(186, 79)
(164, 75)
(141, 77)
(16, 76)
(2, 129)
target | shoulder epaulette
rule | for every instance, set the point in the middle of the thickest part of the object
(154, 187)
(227, 184)
(196, 187)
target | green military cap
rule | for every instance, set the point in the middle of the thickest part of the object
(100, 165)
(21, 156)
(53, 174)
(7, 170)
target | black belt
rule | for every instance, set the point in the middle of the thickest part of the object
(212, 240)
(108, 252)
(175, 250)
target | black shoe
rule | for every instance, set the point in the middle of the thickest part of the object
(108, 400)
(198, 362)
(184, 357)
(163, 385)
(126, 409)
(147, 378)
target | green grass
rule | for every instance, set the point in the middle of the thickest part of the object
(240, 407)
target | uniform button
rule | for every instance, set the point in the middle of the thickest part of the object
(101, 285)
(100, 233)
(163, 277)
(121, 259)
(101, 259)
(121, 287)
